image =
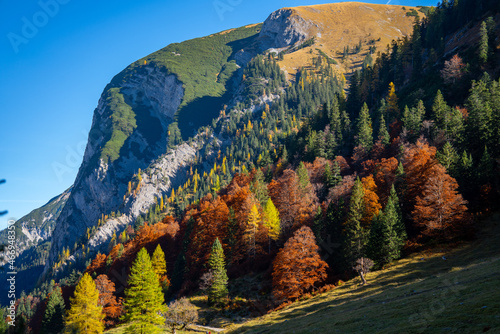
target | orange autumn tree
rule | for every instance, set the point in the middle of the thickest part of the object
(298, 266)
(111, 307)
(440, 211)
(295, 208)
(372, 205)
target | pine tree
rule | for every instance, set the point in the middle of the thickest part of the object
(85, 314)
(364, 129)
(218, 289)
(53, 318)
(143, 297)
(354, 233)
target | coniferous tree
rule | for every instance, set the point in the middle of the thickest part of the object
(85, 314)
(386, 241)
(143, 297)
(160, 267)
(259, 187)
(53, 318)
(354, 233)
(383, 135)
(364, 129)
(303, 177)
(272, 220)
(483, 43)
(440, 111)
(218, 289)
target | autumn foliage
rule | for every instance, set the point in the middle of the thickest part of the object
(440, 210)
(298, 267)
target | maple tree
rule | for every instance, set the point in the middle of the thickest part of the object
(453, 69)
(111, 307)
(297, 266)
(440, 210)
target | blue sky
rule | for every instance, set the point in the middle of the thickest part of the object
(56, 58)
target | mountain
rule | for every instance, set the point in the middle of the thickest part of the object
(151, 124)
(33, 236)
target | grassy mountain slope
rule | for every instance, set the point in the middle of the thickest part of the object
(441, 290)
(347, 24)
(204, 65)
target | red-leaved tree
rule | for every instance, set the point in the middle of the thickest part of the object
(440, 211)
(298, 266)
(111, 307)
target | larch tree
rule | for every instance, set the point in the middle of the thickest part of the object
(143, 297)
(217, 292)
(160, 266)
(297, 266)
(272, 221)
(253, 222)
(440, 211)
(53, 318)
(85, 314)
(392, 102)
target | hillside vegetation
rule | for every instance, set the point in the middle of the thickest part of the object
(443, 289)
(352, 25)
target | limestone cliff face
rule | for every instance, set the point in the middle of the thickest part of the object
(37, 226)
(283, 28)
(100, 186)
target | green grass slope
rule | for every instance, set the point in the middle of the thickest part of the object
(204, 66)
(424, 293)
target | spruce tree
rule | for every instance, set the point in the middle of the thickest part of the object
(364, 129)
(483, 43)
(303, 177)
(385, 243)
(259, 187)
(218, 289)
(440, 111)
(143, 297)
(354, 233)
(53, 318)
(85, 314)
(383, 135)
